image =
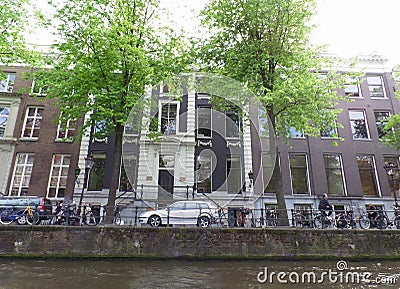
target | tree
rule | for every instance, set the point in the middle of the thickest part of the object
(108, 53)
(265, 45)
(14, 15)
(392, 124)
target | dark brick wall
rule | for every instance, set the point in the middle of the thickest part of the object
(53, 241)
(45, 146)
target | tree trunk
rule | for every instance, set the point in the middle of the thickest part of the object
(280, 199)
(280, 196)
(119, 130)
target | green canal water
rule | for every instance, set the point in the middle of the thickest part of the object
(171, 274)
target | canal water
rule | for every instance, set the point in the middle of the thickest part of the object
(171, 274)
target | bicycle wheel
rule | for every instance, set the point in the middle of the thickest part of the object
(299, 221)
(223, 220)
(318, 222)
(364, 222)
(32, 219)
(382, 222)
(90, 219)
(5, 218)
(341, 222)
(117, 218)
(396, 222)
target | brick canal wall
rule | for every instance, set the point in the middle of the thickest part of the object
(107, 241)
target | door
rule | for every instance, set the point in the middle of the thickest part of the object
(166, 177)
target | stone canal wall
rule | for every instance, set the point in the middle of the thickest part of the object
(123, 241)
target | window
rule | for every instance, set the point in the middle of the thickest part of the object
(375, 86)
(58, 176)
(351, 88)
(299, 173)
(128, 172)
(232, 123)
(358, 124)
(22, 174)
(96, 175)
(100, 131)
(32, 122)
(233, 174)
(381, 118)
(294, 133)
(334, 174)
(168, 118)
(4, 113)
(330, 132)
(366, 169)
(203, 173)
(270, 182)
(204, 122)
(7, 84)
(38, 88)
(66, 132)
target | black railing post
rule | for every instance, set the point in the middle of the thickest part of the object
(168, 217)
(136, 214)
(262, 217)
(187, 192)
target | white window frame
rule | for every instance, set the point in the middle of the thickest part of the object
(211, 121)
(376, 179)
(383, 87)
(349, 81)
(341, 169)
(35, 118)
(59, 175)
(41, 90)
(210, 156)
(160, 106)
(307, 174)
(365, 121)
(376, 125)
(24, 173)
(67, 129)
(3, 125)
(233, 109)
(7, 82)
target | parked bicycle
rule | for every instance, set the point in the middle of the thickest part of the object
(116, 215)
(303, 218)
(345, 219)
(271, 218)
(221, 218)
(68, 215)
(22, 217)
(382, 221)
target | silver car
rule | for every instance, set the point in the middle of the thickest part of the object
(198, 213)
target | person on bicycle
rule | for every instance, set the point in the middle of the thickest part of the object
(324, 206)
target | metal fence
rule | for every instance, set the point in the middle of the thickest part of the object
(229, 217)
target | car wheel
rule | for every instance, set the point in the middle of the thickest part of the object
(204, 222)
(154, 221)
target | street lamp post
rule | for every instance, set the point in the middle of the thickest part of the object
(251, 179)
(391, 171)
(89, 162)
